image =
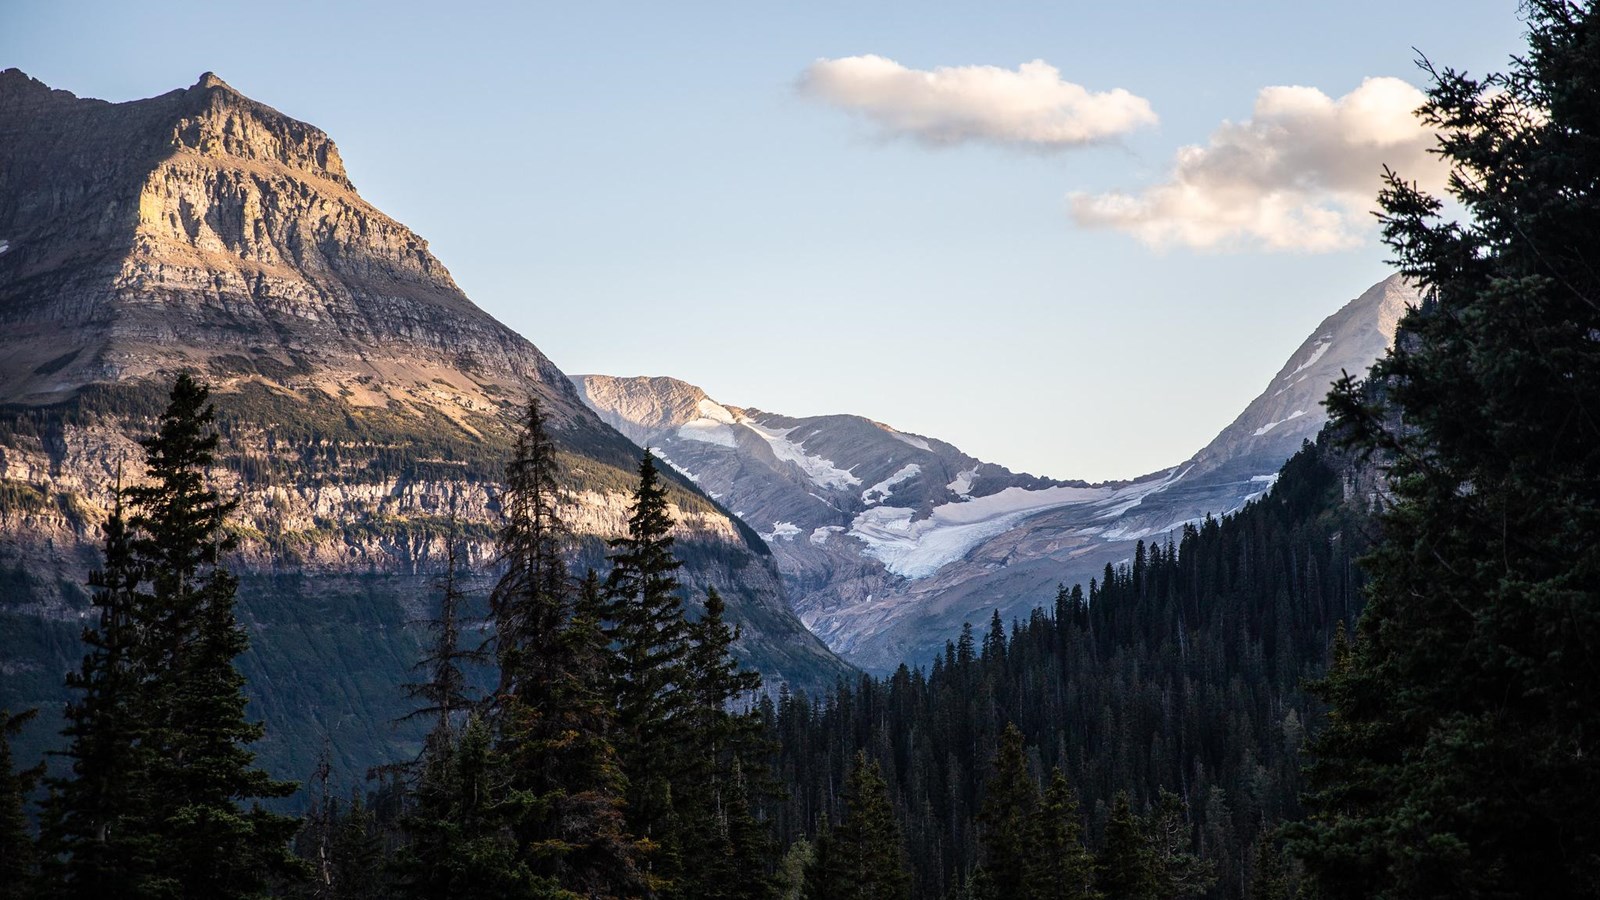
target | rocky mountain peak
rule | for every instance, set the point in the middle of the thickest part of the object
(222, 122)
(1290, 411)
(211, 80)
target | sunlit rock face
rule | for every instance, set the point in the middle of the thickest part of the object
(366, 405)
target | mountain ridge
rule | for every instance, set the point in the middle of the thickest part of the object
(366, 405)
(887, 563)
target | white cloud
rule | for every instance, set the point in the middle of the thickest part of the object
(1302, 174)
(1030, 107)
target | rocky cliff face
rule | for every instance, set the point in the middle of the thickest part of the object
(364, 401)
(889, 542)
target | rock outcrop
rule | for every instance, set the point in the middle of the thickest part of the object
(365, 404)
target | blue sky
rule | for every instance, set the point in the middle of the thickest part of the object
(647, 189)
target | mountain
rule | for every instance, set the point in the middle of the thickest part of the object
(364, 401)
(889, 541)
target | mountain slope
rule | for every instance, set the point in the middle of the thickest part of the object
(365, 404)
(889, 541)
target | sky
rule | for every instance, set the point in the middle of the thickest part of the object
(1075, 239)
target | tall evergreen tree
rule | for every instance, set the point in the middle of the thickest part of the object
(458, 829)
(1010, 805)
(443, 692)
(1126, 869)
(553, 714)
(645, 624)
(863, 858)
(97, 822)
(1460, 757)
(191, 696)
(731, 852)
(1178, 871)
(1059, 866)
(19, 858)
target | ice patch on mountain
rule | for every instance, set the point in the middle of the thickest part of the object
(962, 486)
(714, 425)
(917, 549)
(4, 246)
(821, 471)
(820, 534)
(913, 440)
(880, 491)
(1317, 352)
(656, 452)
(785, 530)
(1131, 495)
(1271, 425)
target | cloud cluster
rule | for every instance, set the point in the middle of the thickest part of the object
(1031, 107)
(1301, 174)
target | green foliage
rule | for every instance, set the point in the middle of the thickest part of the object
(645, 624)
(19, 857)
(1179, 670)
(459, 841)
(552, 710)
(1127, 869)
(1058, 866)
(1459, 759)
(1008, 816)
(159, 759)
(863, 858)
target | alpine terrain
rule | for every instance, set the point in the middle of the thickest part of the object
(363, 400)
(889, 541)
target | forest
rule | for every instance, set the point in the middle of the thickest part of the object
(1375, 681)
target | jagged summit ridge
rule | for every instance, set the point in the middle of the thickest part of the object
(201, 225)
(889, 541)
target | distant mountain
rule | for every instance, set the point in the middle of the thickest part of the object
(364, 400)
(888, 541)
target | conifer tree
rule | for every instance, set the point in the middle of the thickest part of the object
(18, 854)
(97, 828)
(443, 693)
(1460, 751)
(552, 710)
(1178, 871)
(645, 624)
(191, 697)
(863, 858)
(1268, 881)
(459, 839)
(729, 848)
(1059, 866)
(1125, 868)
(1009, 807)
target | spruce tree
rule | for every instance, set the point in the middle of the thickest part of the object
(1058, 865)
(645, 624)
(1178, 871)
(711, 794)
(19, 858)
(1126, 869)
(443, 692)
(191, 697)
(97, 824)
(863, 858)
(458, 829)
(1460, 755)
(1010, 803)
(552, 711)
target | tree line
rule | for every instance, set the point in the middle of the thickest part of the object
(1155, 721)
(607, 759)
